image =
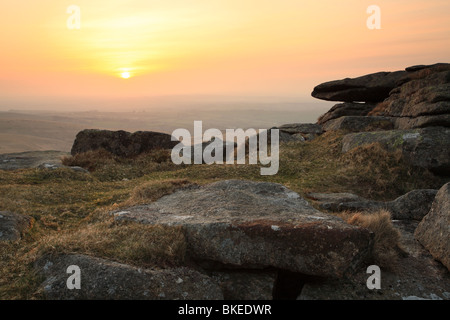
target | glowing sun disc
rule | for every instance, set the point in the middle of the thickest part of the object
(125, 75)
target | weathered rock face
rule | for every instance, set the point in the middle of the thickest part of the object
(413, 205)
(433, 231)
(121, 143)
(255, 225)
(373, 87)
(13, 225)
(427, 94)
(359, 124)
(346, 109)
(404, 123)
(106, 280)
(426, 148)
(418, 276)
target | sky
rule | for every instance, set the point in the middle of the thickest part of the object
(252, 48)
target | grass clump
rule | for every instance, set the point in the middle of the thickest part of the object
(386, 245)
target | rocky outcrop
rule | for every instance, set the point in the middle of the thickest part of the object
(413, 205)
(415, 98)
(257, 225)
(13, 225)
(433, 231)
(121, 143)
(427, 148)
(427, 94)
(106, 280)
(373, 87)
(418, 277)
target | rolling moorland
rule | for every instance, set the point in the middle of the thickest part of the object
(366, 184)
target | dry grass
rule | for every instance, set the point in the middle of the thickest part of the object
(90, 160)
(126, 242)
(386, 246)
(108, 167)
(153, 190)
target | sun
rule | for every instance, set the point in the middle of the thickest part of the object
(125, 75)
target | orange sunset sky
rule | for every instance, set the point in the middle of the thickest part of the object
(209, 47)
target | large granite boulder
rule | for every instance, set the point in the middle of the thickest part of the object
(13, 225)
(121, 143)
(426, 148)
(433, 231)
(418, 97)
(256, 225)
(373, 87)
(107, 280)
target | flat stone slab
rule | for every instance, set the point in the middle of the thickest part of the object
(31, 159)
(257, 224)
(102, 279)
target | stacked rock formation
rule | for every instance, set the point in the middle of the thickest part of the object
(407, 110)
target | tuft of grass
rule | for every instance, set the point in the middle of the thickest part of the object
(91, 160)
(386, 246)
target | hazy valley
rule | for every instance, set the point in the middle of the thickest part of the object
(37, 130)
